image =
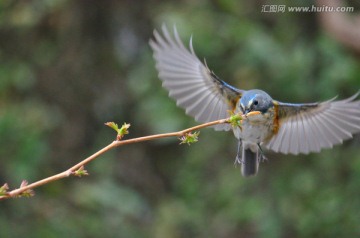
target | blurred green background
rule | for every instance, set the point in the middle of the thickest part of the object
(66, 67)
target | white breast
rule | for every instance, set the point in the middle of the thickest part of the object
(256, 129)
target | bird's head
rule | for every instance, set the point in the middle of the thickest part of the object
(255, 100)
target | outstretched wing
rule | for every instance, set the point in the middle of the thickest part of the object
(305, 128)
(194, 87)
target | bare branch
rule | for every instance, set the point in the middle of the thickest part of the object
(78, 169)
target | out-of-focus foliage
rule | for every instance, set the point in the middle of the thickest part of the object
(66, 67)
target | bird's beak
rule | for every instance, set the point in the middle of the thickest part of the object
(252, 113)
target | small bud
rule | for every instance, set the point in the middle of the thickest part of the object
(4, 189)
(23, 183)
(81, 172)
(189, 138)
(28, 192)
(235, 120)
(123, 131)
(120, 132)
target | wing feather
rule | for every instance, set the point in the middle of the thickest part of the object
(194, 87)
(203, 114)
(302, 139)
(284, 146)
(306, 128)
(314, 141)
(320, 133)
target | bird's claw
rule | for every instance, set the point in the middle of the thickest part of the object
(238, 160)
(262, 156)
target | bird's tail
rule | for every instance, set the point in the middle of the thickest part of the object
(250, 162)
(249, 159)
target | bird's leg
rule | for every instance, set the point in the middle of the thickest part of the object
(238, 159)
(262, 156)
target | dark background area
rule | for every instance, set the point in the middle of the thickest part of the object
(66, 67)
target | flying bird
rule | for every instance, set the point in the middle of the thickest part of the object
(286, 128)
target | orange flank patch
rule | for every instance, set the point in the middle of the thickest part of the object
(233, 103)
(276, 118)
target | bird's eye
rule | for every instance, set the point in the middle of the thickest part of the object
(255, 102)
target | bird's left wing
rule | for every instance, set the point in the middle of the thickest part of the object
(194, 87)
(305, 128)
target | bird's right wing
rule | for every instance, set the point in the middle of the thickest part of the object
(305, 128)
(194, 87)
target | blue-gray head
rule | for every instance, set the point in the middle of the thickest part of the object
(255, 100)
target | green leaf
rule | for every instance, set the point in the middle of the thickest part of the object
(112, 125)
(123, 130)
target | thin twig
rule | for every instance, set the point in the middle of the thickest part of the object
(17, 192)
